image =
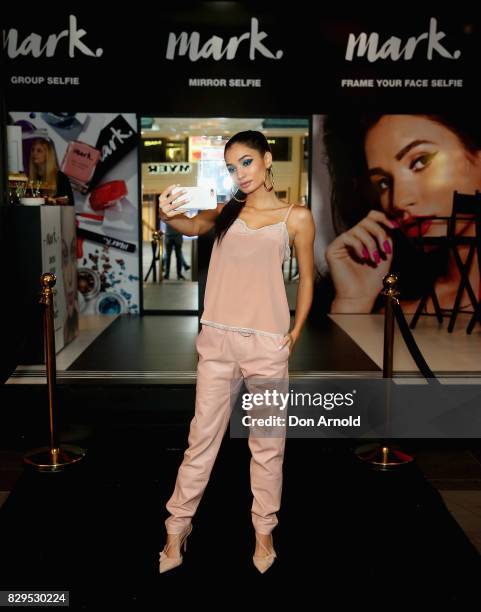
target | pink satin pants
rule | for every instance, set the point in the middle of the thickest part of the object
(226, 357)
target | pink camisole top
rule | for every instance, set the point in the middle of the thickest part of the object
(245, 288)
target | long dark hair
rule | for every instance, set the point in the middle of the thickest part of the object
(230, 212)
(352, 194)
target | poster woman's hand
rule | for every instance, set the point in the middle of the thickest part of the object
(358, 260)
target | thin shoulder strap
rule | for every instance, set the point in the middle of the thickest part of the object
(288, 212)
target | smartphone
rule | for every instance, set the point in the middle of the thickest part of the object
(200, 198)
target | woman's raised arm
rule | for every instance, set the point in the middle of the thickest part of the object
(189, 226)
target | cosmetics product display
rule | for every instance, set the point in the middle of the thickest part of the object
(57, 201)
(79, 163)
(88, 283)
(67, 125)
(107, 194)
(114, 142)
(63, 120)
(109, 241)
(110, 303)
(120, 218)
(91, 218)
(95, 154)
(32, 201)
(18, 187)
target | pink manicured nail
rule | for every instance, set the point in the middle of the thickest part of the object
(376, 256)
(365, 252)
(387, 247)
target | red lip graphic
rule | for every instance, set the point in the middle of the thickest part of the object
(417, 226)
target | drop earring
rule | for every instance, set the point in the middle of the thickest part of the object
(232, 193)
(269, 173)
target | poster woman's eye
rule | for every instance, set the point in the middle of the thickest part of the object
(420, 162)
(247, 162)
(381, 185)
(230, 169)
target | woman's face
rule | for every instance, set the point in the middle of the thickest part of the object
(69, 261)
(39, 153)
(415, 165)
(247, 167)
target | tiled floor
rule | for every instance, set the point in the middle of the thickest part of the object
(443, 351)
(171, 294)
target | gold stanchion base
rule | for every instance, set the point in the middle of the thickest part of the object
(54, 460)
(383, 457)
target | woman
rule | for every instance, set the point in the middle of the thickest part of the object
(43, 167)
(391, 176)
(245, 331)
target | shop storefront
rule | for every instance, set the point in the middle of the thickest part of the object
(372, 125)
(133, 95)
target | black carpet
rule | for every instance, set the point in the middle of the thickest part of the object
(346, 534)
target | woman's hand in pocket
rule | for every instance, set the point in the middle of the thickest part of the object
(289, 339)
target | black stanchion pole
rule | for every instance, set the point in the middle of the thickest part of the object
(383, 456)
(158, 237)
(53, 458)
(156, 240)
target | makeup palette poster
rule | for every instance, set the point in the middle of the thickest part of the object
(96, 160)
(383, 192)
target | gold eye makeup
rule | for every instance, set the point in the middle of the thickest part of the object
(422, 161)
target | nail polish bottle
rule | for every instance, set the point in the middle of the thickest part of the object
(79, 163)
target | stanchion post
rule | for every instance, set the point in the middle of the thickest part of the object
(54, 458)
(157, 237)
(383, 456)
(153, 244)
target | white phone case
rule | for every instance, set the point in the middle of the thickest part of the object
(200, 198)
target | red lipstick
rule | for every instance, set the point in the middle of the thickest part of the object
(417, 225)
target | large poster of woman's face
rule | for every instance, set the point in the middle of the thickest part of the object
(389, 182)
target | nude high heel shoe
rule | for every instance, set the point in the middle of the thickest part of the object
(167, 563)
(264, 563)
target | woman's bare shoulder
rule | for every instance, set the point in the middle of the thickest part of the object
(301, 214)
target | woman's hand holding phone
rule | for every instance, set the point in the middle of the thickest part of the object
(358, 260)
(167, 207)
